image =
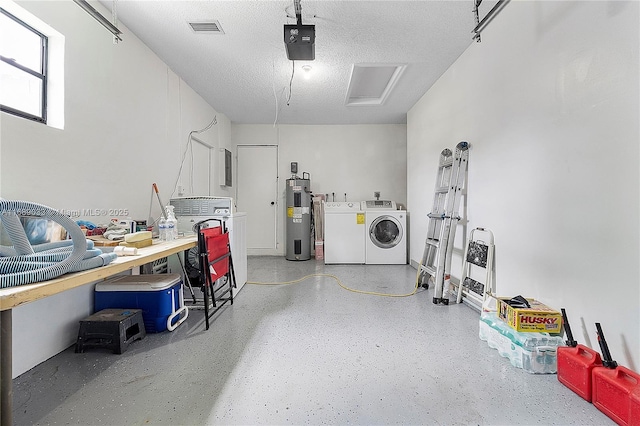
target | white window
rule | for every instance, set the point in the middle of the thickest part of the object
(23, 69)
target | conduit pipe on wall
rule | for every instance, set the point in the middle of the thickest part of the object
(488, 18)
(98, 17)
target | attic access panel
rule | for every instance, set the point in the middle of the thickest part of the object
(371, 84)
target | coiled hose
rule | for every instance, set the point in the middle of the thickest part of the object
(26, 264)
(51, 246)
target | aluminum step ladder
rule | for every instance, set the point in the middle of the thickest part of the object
(478, 258)
(443, 221)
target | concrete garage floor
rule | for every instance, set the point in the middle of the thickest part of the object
(307, 353)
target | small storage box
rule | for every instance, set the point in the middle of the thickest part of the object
(538, 317)
(158, 295)
(319, 252)
(533, 352)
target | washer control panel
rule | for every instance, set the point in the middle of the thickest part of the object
(378, 205)
(342, 206)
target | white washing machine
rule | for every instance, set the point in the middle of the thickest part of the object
(344, 232)
(386, 239)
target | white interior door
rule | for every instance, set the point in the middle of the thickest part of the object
(257, 193)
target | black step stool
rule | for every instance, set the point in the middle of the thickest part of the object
(113, 329)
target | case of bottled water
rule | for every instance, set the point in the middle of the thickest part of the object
(534, 352)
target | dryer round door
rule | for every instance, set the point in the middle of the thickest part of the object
(385, 232)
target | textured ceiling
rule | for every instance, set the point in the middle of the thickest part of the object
(245, 73)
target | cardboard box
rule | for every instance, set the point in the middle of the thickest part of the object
(538, 317)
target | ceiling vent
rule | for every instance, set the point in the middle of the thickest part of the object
(371, 84)
(208, 27)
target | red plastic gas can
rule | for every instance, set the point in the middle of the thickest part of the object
(575, 367)
(634, 409)
(612, 390)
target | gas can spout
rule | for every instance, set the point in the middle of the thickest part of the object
(567, 329)
(607, 361)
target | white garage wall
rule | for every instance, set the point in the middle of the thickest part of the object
(549, 102)
(127, 120)
(352, 159)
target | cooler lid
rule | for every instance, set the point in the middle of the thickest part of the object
(146, 282)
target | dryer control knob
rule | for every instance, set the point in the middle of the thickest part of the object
(350, 204)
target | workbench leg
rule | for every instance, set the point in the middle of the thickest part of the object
(6, 374)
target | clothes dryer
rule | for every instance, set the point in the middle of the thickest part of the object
(344, 233)
(386, 239)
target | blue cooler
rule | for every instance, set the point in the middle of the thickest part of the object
(158, 295)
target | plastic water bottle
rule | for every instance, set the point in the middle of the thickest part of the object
(172, 225)
(162, 229)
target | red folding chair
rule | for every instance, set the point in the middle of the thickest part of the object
(216, 267)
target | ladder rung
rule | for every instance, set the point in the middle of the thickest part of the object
(435, 216)
(442, 190)
(433, 242)
(428, 269)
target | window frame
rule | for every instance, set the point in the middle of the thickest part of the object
(42, 74)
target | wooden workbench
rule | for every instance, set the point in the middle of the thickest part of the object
(20, 295)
